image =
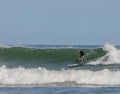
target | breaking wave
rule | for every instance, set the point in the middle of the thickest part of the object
(103, 70)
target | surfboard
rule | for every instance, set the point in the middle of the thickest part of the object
(75, 65)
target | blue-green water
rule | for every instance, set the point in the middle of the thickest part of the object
(48, 58)
(60, 90)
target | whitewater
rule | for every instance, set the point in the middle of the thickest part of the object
(41, 76)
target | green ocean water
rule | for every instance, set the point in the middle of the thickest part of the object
(21, 56)
(58, 55)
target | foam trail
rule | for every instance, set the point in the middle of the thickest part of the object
(112, 56)
(40, 76)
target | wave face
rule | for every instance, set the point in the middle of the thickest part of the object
(31, 66)
(31, 57)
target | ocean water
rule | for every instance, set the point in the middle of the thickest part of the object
(43, 69)
(60, 90)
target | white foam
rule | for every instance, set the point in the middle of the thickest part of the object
(40, 76)
(112, 56)
(3, 45)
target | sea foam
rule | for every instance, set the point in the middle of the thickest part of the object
(41, 76)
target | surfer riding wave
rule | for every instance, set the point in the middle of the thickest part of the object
(82, 56)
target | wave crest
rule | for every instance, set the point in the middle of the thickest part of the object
(112, 56)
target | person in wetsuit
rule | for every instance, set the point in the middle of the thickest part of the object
(82, 56)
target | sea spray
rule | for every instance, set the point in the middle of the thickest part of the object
(113, 53)
(112, 56)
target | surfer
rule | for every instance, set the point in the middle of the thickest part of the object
(82, 56)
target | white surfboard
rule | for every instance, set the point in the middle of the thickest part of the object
(75, 65)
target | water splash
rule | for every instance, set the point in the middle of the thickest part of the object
(112, 56)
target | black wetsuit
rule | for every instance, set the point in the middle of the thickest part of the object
(81, 53)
